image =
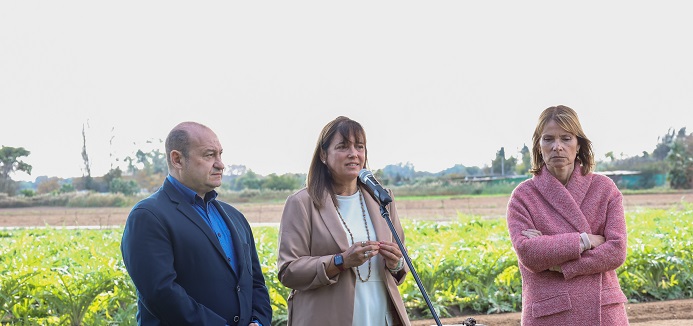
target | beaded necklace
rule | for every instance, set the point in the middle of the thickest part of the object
(368, 234)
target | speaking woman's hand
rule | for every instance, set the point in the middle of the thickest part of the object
(360, 252)
(393, 256)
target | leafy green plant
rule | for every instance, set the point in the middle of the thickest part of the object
(659, 255)
(76, 277)
(71, 277)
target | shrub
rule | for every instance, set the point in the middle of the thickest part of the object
(27, 192)
(127, 188)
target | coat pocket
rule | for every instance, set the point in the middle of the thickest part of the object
(551, 305)
(613, 295)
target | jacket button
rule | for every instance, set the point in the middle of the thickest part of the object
(238, 288)
(236, 319)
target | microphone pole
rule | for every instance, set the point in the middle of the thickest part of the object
(386, 216)
(383, 198)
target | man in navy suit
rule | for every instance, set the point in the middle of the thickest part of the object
(193, 258)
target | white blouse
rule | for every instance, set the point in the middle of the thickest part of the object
(371, 301)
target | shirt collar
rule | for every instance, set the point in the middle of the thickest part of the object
(190, 194)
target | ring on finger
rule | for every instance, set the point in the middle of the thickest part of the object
(363, 243)
(365, 254)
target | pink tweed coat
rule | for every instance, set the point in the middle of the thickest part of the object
(587, 291)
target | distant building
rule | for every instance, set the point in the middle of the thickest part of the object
(622, 179)
(636, 179)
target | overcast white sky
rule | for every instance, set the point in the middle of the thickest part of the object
(435, 83)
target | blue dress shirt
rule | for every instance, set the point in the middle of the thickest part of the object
(211, 216)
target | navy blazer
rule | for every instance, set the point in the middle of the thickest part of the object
(180, 270)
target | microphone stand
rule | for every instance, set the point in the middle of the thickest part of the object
(386, 216)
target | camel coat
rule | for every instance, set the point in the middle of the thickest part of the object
(308, 240)
(587, 291)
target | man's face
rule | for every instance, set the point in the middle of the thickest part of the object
(202, 169)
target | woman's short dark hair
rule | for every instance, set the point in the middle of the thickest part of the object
(319, 178)
(567, 119)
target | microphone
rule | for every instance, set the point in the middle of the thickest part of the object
(369, 180)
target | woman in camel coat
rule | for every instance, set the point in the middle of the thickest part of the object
(336, 252)
(568, 229)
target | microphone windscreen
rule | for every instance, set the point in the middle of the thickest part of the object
(364, 174)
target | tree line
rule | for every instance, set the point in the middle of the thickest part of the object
(146, 169)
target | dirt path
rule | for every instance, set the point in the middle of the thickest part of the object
(664, 313)
(441, 210)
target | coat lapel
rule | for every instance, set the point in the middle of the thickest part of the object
(191, 214)
(328, 212)
(579, 185)
(238, 245)
(565, 199)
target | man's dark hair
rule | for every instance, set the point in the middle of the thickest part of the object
(179, 140)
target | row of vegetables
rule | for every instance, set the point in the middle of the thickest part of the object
(76, 277)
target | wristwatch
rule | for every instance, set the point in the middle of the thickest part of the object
(339, 262)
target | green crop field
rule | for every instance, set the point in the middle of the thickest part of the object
(76, 277)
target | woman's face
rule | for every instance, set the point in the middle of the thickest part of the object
(558, 147)
(345, 158)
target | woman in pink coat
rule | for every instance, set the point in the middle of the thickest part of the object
(568, 229)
